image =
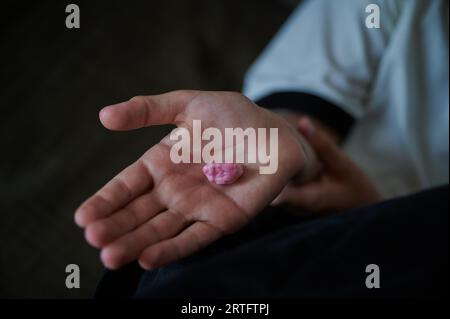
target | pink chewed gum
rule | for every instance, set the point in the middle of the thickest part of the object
(223, 174)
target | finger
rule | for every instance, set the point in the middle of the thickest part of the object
(327, 151)
(192, 239)
(287, 195)
(309, 196)
(127, 185)
(128, 247)
(144, 111)
(104, 231)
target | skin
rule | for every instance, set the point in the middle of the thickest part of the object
(156, 211)
(340, 185)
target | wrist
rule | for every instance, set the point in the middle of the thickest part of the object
(300, 160)
(296, 158)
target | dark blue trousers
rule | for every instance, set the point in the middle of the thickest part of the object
(282, 256)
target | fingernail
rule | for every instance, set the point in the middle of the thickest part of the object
(104, 112)
(307, 126)
(276, 201)
(310, 128)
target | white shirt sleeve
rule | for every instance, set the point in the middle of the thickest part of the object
(325, 49)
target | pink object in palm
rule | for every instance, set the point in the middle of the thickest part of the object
(223, 174)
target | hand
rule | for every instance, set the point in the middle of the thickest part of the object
(341, 184)
(156, 211)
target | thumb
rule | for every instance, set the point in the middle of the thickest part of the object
(143, 111)
(327, 151)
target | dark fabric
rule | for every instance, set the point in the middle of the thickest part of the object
(279, 255)
(311, 105)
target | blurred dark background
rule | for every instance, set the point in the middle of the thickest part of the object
(54, 80)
